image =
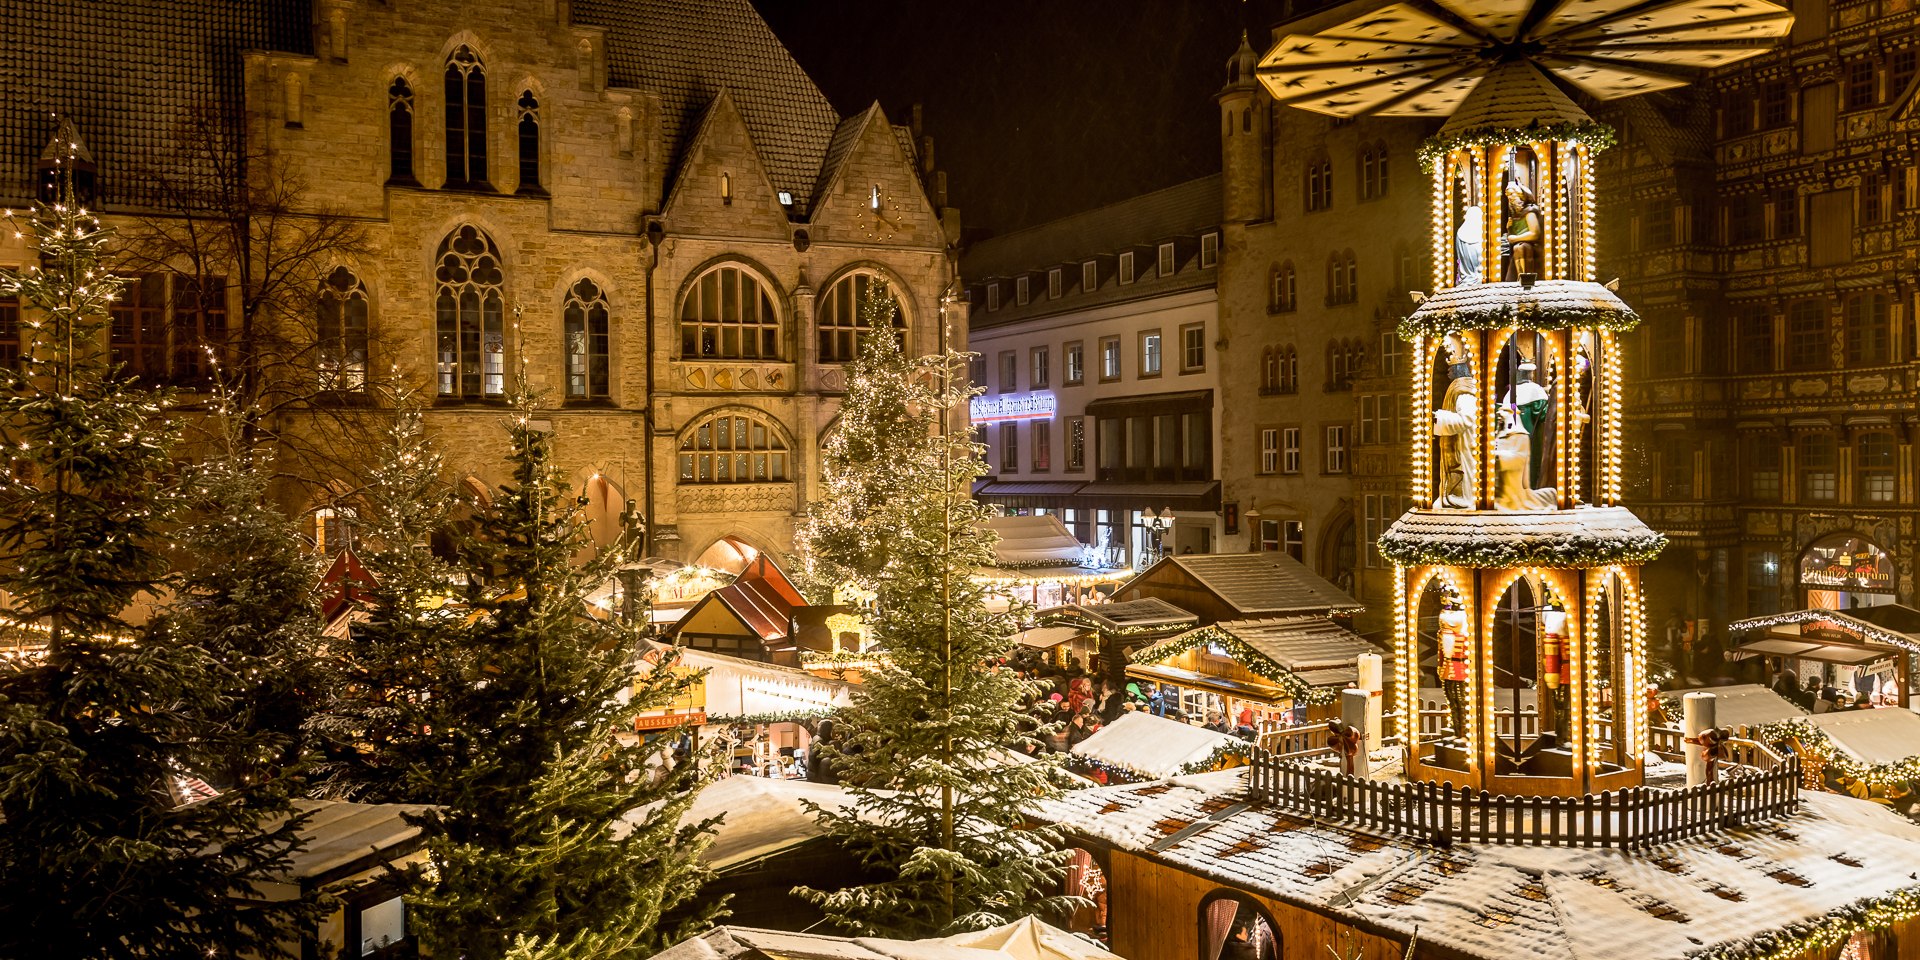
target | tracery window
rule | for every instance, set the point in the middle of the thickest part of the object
(342, 329)
(586, 326)
(400, 131)
(466, 121)
(840, 322)
(470, 316)
(727, 313)
(733, 448)
(529, 107)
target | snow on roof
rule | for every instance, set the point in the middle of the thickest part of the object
(1033, 540)
(1141, 613)
(1151, 746)
(1746, 705)
(1498, 901)
(760, 816)
(1025, 939)
(1254, 583)
(338, 832)
(736, 687)
(1885, 735)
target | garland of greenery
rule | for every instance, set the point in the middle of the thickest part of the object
(1295, 688)
(1817, 742)
(1596, 136)
(815, 658)
(777, 716)
(1569, 552)
(1222, 757)
(1524, 315)
(1821, 935)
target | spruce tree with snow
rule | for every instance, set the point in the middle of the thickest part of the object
(99, 724)
(246, 598)
(371, 733)
(927, 747)
(556, 832)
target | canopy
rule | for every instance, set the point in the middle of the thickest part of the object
(1153, 747)
(1747, 705)
(760, 816)
(1032, 540)
(1884, 735)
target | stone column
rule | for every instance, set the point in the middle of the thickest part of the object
(1698, 709)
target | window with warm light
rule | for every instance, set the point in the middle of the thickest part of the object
(733, 448)
(728, 313)
(470, 316)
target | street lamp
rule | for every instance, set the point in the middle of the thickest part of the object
(1157, 525)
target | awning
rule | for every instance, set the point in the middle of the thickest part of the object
(1245, 689)
(1046, 638)
(1817, 652)
(1148, 405)
(1195, 496)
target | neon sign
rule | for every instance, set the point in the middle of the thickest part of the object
(1029, 406)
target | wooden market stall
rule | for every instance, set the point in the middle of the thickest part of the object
(1866, 663)
(1285, 670)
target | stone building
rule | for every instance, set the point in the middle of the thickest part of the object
(1766, 230)
(1317, 265)
(1097, 336)
(644, 206)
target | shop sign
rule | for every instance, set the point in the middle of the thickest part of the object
(667, 721)
(1848, 563)
(1000, 409)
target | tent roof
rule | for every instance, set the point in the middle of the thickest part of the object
(1884, 735)
(1153, 747)
(1269, 582)
(1026, 939)
(1034, 539)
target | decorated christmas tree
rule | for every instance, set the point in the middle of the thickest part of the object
(940, 795)
(100, 721)
(557, 832)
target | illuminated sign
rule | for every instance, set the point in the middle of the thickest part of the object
(1029, 406)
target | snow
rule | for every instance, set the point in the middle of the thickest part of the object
(1884, 735)
(760, 816)
(1025, 939)
(1500, 901)
(1025, 540)
(1746, 705)
(1152, 746)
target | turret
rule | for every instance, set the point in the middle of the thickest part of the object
(1245, 141)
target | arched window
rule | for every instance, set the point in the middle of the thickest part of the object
(1380, 169)
(1289, 369)
(1875, 458)
(728, 314)
(1270, 370)
(733, 448)
(585, 321)
(841, 321)
(400, 132)
(1281, 299)
(1367, 180)
(466, 121)
(1869, 335)
(470, 316)
(342, 331)
(529, 143)
(1233, 927)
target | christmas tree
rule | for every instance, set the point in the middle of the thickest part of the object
(246, 598)
(927, 745)
(557, 831)
(99, 721)
(373, 728)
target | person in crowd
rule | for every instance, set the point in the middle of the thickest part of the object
(1243, 724)
(1216, 721)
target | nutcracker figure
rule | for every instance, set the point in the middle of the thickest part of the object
(1455, 650)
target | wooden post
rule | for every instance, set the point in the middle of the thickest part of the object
(1698, 710)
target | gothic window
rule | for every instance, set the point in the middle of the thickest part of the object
(342, 328)
(1869, 338)
(1282, 299)
(529, 143)
(733, 448)
(727, 313)
(840, 321)
(466, 121)
(586, 326)
(470, 317)
(400, 131)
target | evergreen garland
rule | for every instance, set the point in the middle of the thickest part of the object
(1295, 688)
(1577, 551)
(1595, 135)
(939, 811)
(1524, 315)
(98, 861)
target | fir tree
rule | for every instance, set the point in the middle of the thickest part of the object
(557, 832)
(926, 745)
(97, 860)
(374, 727)
(247, 599)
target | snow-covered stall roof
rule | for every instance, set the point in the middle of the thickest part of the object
(1150, 746)
(748, 688)
(338, 833)
(1747, 705)
(1025, 939)
(760, 816)
(1033, 540)
(1494, 901)
(1811, 624)
(1884, 735)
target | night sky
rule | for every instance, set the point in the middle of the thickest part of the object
(1037, 109)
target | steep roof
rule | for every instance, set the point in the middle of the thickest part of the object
(687, 51)
(130, 74)
(1253, 584)
(1180, 210)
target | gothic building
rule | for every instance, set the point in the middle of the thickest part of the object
(644, 207)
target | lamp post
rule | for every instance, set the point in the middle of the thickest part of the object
(1252, 516)
(1156, 525)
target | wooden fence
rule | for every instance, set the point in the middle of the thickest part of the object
(1632, 818)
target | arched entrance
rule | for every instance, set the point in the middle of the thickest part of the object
(1842, 571)
(601, 509)
(728, 554)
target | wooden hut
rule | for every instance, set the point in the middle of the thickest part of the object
(1239, 586)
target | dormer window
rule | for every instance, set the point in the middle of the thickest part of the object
(1089, 276)
(1020, 292)
(1053, 284)
(993, 296)
(786, 198)
(1126, 267)
(1209, 250)
(1166, 259)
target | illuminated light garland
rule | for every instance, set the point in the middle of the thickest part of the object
(1592, 135)
(1442, 223)
(1819, 743)
(1859, 628)
(1225, 756)
(774, 716)
(1818, 936)
(1256, 662)
(1587, 211)
(1525, 316)
(1574, 551)
(1610, 415)
(1422, 400)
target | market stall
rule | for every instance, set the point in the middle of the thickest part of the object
(1037, 561)
(1859, 662)
(1141, 746)
(1275, 672)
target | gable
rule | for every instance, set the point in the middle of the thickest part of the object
(866, 153)
(721, 179)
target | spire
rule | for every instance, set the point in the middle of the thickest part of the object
(1240, 65)
(65, 144)
(65, 154)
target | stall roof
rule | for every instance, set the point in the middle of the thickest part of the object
(738, 687)
(1033, 539)
(1046, 638)
(339, 833)
(1318, 651)
(1023, 939)
(1253, 584)
(760, 816)
(1063, 573)
(1142, 614)
(1152, 747)
(1853, 623)
(1249, 689)
(1746, 705)
(1884, 735)
(1777, 646)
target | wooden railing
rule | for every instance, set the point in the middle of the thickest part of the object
(1441, 814)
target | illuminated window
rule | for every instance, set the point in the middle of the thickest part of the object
(586, 325)
(1109, 358)
(342, 329)
(728, 314)
(1042, 363)
(470, 316)
(842, 318)
(733, 448)
(1150, 353)
(1076, 443)
(1076, 363)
